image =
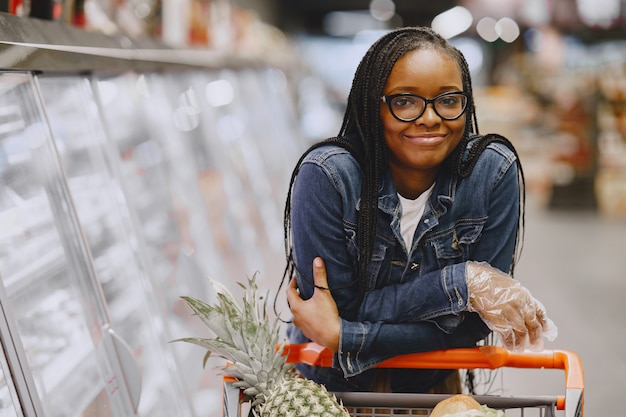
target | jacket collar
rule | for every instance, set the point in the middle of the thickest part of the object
(439, 202)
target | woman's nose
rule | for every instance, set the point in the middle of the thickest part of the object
(429, 117)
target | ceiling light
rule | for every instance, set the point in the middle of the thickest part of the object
(507, 29)
(598, 12)
(382, 10)
(486, 28)
(452, 22)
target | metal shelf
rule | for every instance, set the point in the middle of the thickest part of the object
(29, 44)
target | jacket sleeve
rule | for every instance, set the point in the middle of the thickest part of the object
(365, 344)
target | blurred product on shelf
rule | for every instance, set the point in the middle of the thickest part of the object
(568, 123)
(610, 180)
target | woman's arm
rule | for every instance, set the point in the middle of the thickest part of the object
(361, 345)
(423, 336)
(510, 310)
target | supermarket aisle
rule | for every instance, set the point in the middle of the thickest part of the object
(575, 262)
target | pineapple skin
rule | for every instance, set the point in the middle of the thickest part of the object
(298, 397)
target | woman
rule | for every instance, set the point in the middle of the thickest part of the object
(411, 215)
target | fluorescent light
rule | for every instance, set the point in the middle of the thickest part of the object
(452, 22)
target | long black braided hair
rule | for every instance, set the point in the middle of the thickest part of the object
(362, 121)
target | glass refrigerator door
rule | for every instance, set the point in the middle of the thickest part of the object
(247, 157)
(230, 173)
(159, 178)
(10, 384)
(104, 215)
(78, 365)
(9, 404)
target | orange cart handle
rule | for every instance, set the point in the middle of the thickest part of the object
(485, 357)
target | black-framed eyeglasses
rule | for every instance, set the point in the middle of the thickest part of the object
(410, 107)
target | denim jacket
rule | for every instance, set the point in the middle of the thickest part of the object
(415, 298)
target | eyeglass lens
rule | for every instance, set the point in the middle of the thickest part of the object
(410, 107)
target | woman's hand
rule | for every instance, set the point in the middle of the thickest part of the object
(317, 317)
(508, 308)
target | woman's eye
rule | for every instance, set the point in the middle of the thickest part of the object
(449, 101)
(404, 101)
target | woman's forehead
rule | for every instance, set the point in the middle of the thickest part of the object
(429, 68)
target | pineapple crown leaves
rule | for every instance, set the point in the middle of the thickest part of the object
(244, 336)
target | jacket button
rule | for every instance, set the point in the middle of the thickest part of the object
(414, 266)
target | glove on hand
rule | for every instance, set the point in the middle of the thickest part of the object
(508, 308)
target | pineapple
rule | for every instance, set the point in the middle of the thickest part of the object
(249, 342)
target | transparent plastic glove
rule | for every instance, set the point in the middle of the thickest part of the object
(508, 308)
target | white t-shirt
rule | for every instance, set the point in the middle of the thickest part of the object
(412, 211)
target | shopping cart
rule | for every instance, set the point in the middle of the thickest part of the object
(369, 404)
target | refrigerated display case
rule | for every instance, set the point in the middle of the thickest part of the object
(246, 148)
(158, 175)
(60, 324)
(12, 378)
(125, 277)
(225, 187)
(8, 395)
(127, 178)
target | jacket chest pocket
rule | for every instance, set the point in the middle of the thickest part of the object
(380, 261)
(454, 244)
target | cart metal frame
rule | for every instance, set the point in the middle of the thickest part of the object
(367, 404)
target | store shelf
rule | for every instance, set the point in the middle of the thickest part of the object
(38, 45)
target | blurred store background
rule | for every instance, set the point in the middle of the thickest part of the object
(148, 144)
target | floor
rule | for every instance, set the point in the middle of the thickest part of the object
(575, 263)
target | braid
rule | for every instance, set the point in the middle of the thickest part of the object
(362, 123)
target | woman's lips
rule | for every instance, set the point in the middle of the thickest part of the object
(426, 139)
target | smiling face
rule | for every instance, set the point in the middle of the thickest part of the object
(417, 149)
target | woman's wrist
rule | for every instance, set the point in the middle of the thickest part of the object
(334, 337)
